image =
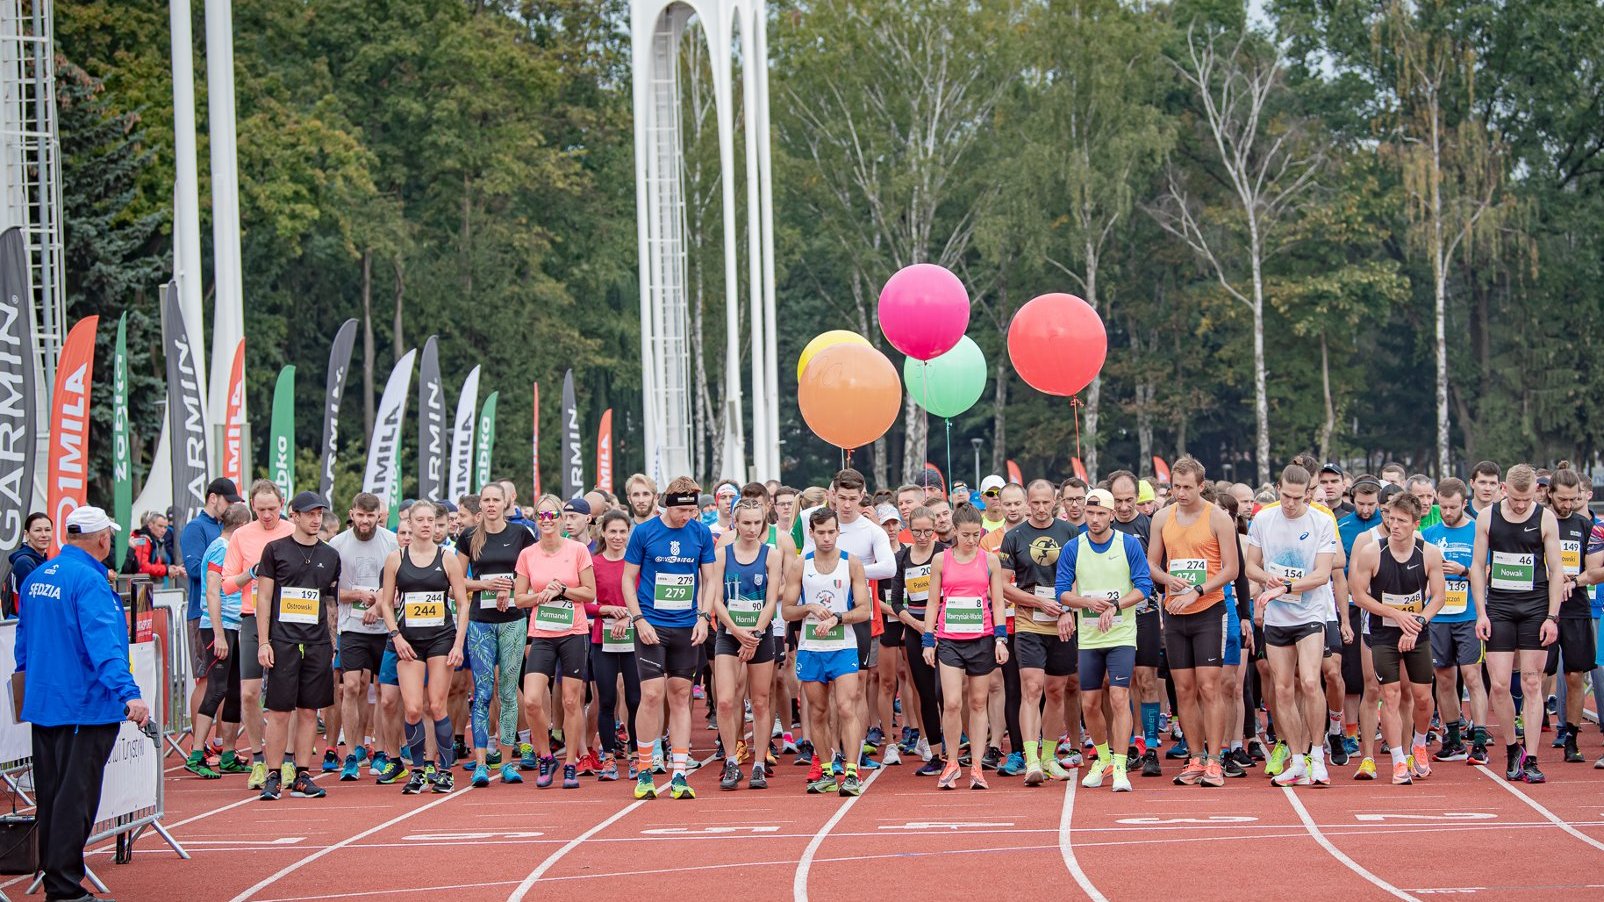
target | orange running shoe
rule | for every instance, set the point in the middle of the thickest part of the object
(1213, 773)
(1400, 774)
(1192, 773)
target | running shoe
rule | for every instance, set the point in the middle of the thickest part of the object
(352, 769)
(1072, 760)
(1453, 752)
(1122, 782)
(992, 758)
(1350, 744)
(1599, 764)
(526, 756)
(892, 757)
(1530, 772)
(760, 777)
(824, 785)
(1559, 736)
(850, 786)
(304, 788)
(258, 778)
(331, 762)
(271, 785)
(1034, 776)
(679, 788)
(1191, 774)
(740, 751)
(1420, 762)
(1318, 775)
(1243, 760)
(1573, 755)
(1515, 763)
(196, 764)
(1013, 766)
(1177, 752)
(509, 773)
(1551, 705)
(804, 754)
(1277, 761)
(1295, 774)
(659, 763)
(570, 776)
(546, 771)
(415, 783)
(1094, 775)
(1055, 770)
(644, 788)
(697, 692)
(977, 778)
(1478, 755)
(1401, 775)
(287, 770)
(788, 744)
(376, 763)
(921, 749)
(718, 748)
(732, 776)
(608, 772)
(493, 758)
(1232, 768)
(770, 757)
(876, 737)
(867, 763)
(778, 731)
(230, 763)
(460, 748)
(1255, 750)
(481, 776)
(1214, 773)
(949, 776)
(932, 768)
(589, 764)
(393, 772)
(1366, 771)
(1338, 749)
(1150, 764)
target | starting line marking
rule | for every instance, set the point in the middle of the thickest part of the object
(1445, 816)
(707, 831)
(1213, 819)
(469, 834)
(947, 825)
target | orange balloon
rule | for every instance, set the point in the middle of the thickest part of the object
(850, 395)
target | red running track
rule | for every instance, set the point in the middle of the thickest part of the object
(1462, 832)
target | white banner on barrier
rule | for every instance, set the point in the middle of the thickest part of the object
(16, 739)
(177, 604)
(130, 781)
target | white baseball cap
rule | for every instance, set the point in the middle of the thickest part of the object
(885, 513)
(84, 520)
(991, 482)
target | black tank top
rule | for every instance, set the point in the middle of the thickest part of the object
(1397, 584)
(424, 595)
(1573, 534)
(1519, 571)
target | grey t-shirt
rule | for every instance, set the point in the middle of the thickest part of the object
(362, 567)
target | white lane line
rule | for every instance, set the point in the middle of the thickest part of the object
(799, 882)
(1067, 851)
(523, 888)
(1319, 837)
(1550, 816)
(291, 868)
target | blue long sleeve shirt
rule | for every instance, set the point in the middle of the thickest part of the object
(72, 642)
(1141, 575)
(197, 537)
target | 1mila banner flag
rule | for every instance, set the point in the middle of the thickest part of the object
(383, 476)
(604, 452)
(18, 391)
(122, 476)
(573, 466)
(339, 366)
(281, 462)
(186, 414)
(69, 426)
(431, 423)
(234, 420)
(486, 443)
(1161, 470)
(462, 429)
(534, 443)
(1014, 474)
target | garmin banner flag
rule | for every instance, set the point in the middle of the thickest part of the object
(339, 366)
(431, 423)
(383, 474)
(17, 391)
(462, 428)
(573, 467)
(186, 414)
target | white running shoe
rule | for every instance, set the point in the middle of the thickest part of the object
(1295, 774)
(1094, 774)
(892, 755)
(1318, 776)
(1122, 783)
(922, 749)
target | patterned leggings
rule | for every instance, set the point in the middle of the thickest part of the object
(491, 645)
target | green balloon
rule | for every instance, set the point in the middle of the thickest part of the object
(950, 384)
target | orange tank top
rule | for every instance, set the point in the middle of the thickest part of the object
(1193, 553)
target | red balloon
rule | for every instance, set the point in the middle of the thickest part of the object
(1057, 344)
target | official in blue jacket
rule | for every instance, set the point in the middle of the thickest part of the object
(72, 645)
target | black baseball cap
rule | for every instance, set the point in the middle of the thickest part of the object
(226, 488)
(308, 501)
(1332, 467)
(577, 505)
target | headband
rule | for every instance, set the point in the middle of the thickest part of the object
(680, 499)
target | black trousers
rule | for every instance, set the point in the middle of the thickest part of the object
(605, 668)
(67, 766)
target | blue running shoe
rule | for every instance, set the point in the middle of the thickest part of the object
(1014, 766)
(331, 761)
(376, 763)
(866, 763)
(1179, 751)
(352, 769)
(361, 753)
(527, 759)
(481, 776)
(932, 768)
(509, 773)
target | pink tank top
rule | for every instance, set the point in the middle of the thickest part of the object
(965, 598)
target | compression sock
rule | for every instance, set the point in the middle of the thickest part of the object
(1333, 723)
(1454, 729)
(1150, 712)
(1032, 755)
(643, 757)
(414, 737)
(1103, 754)
(445, 743)
(681, 760)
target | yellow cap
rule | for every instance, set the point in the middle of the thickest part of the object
(1144, 492)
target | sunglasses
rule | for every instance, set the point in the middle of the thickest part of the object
(547, 515)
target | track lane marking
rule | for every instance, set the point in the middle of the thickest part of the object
(528, 883)
(1067, 851)
(799, 881)
(1549, 816)
(1319, 837)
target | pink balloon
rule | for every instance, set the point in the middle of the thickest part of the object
(924, 310)
(1057, 344)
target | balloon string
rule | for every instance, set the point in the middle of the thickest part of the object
(1074, 406)
(949, 447)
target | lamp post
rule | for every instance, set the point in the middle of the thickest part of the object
(976, 442)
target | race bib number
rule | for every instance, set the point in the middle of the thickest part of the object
(674, 591)
(1570, 557)
(1193, 570)
(487, 597)
(744, 612)
(557, 614)
(965, 614)
(1456, 596)
(363, 605)
(1409, 604)
(1283, 573)
(916, 583)
(1112, 596)
(1513, 572)
(626, 644)
(1045, 593)
(423, 609)
(299, 605)
(837, 638)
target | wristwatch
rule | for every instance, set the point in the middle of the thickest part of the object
(1287, 584)
(1554, 618)
(394, 633)
(637, 618)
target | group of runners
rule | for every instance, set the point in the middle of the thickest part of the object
(1080, 627)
